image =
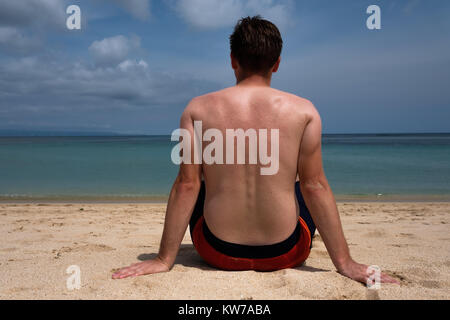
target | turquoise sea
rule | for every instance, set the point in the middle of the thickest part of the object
(139, 168)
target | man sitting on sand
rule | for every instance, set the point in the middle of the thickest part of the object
(239, 218)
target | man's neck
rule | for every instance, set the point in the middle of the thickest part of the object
(255, 80)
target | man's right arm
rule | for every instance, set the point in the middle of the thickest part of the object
(321, 203)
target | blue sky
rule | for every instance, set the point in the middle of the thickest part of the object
(135, 64)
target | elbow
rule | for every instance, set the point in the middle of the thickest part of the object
(186, 186)
(314, 187)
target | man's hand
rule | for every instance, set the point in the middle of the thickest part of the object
(321, 203)
(139, 269)
(359, 272)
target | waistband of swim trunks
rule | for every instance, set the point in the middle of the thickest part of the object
(252, 252)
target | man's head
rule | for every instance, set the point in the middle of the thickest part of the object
(256, 46)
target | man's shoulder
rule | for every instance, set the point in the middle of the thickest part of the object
(295, 99)
(297, 104)
(294, 102)
(206, 99)
(223, 93)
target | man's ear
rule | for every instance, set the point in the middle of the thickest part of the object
(276, 65)
(234, 63)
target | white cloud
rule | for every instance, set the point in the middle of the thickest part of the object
(37, 13)
(132, 65)
(53, 93)
(138, 8)
(208, 14)
(24, 23)
(275, 11)
(52, 84)
(113, 50)
(13, 41)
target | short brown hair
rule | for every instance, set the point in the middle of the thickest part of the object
(256, 44)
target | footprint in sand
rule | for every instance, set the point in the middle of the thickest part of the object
(88, 248)
(319, 253)
(375, 234)
(21, 290)
(22, 221)
(416, 275)
(57, 224)
(396, 245)
(93, 234)
(277, 282)
(421, 272)
(430, 284)
(408, 235)
(398, 276)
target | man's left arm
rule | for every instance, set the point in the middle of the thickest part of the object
(182, 199)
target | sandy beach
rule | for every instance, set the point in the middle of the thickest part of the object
(410, 241)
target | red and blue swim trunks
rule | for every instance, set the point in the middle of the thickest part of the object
(236, 257)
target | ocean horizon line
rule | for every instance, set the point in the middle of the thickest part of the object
(50, 134)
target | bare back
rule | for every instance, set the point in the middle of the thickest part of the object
(242, 205)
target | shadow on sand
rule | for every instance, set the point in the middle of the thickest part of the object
(188, 257)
